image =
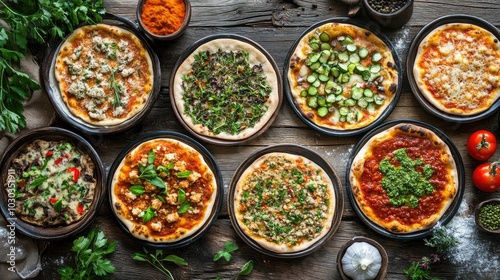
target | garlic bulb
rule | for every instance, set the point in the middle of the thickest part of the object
(361, 261)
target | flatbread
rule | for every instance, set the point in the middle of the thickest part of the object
(163, 214)
(284, 202)
(104, 74)
(332, 62)
(236, 122)
(372, 197)
(457, 68)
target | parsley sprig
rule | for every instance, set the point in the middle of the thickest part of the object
(33, 22)
(90, 257)
(156, 259)
(229, 248)
(149, 172)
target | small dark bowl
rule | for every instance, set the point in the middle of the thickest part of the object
(51, 86)
(300, 151)
(167, 37)
(211, 164)
(390, 20)
(51, 134)
(385, 260)
(476, 215)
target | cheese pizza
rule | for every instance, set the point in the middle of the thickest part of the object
(163, 191)
(104, 74)
(457, 68)
(226, 89)
(404, 178)
(342, 77)
(284, 202)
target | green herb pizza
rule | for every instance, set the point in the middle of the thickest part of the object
(226, 89)
(284, 202)
(342, 76)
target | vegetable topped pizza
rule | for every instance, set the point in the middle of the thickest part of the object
(55, 183)
(284, 202)
(404, 178)
(341, 76)
(457, 68)
(163, 191)
(226, 89)
(104, 74)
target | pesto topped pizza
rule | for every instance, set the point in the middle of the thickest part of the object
(226, 89)
(342, 76)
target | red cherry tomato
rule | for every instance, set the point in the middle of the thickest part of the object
(486, 177)
(482, 144)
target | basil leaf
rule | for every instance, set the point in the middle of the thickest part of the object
(157, 181)
(183, 174)
(38, 181)
(184, 207)
(148, 172)
(175, 259)
(137, 189)
(181, 196)
(149, 214)
(151, 156)
(58, 205)
(247, 268)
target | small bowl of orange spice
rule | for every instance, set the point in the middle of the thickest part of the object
(163, 20)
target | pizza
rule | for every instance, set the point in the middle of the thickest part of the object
(55, 183)
(104, 74)
(163, 191)
(404, 178)
(341, 76)
(226, 89)
(457, 68)
(284, 202)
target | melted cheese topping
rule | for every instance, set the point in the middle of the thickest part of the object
(459, 68)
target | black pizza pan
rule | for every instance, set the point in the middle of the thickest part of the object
(339, 132)
(299, 151)
(450, 212)
(207, 156)
(50, 83)
(410, 61)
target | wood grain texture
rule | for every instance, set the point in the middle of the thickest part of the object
(276, 25)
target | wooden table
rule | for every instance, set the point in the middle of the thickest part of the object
(276, 25)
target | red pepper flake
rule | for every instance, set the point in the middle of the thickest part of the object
(58, 161)
(21, 183)
(80, 208)
(53, 200)
(49, 153)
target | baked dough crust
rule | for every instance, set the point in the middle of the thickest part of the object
(447, 194)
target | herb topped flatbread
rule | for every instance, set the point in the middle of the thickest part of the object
(342, 77)
(104, 74)
(226, 89)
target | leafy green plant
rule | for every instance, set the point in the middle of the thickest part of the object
(229, 248)
(32, 22)
(157, 260)
(90, 257)
(443, 241)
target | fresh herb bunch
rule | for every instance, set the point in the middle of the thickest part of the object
(33, 22)
(441, 240)
(157, 260)
(90, 257)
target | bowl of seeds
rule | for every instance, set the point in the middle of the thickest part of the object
(487, 216)
(389, 14)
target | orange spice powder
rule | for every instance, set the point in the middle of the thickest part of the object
(163, 17)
